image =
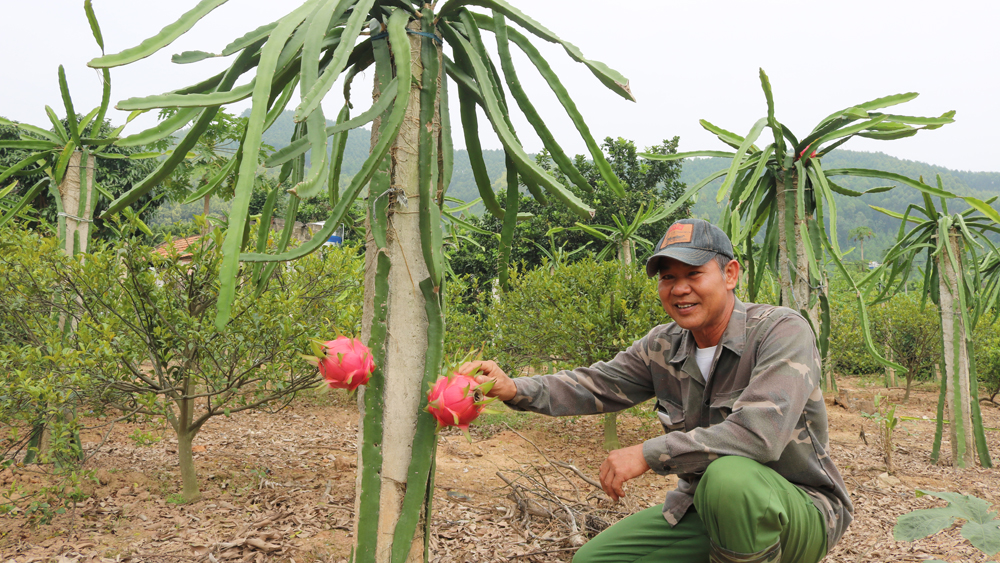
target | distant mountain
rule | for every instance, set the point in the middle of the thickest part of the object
(463, 185)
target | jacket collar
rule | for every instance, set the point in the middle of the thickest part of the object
(734, 338)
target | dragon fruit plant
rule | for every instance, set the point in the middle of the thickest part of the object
(457, 400)
(345, 363)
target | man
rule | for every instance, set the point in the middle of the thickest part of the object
(737, 392)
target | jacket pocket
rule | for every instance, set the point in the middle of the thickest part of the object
(671, 415)
(722, 405)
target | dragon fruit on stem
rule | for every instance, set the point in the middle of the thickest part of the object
(345, 363)
(456, 400)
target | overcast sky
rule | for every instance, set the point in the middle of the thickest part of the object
(686, 60)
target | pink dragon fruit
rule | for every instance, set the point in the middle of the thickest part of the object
(345, 363)
(456, 400)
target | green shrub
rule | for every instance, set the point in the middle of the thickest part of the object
(986, 344)
(467, 306)
(912, 331)
(847, 346)
(145, 341)
(577, 315)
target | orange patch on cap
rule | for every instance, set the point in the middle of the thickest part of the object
(681, 232)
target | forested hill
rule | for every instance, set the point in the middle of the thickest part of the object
(852, 212)
(855, 211)
(463, 185)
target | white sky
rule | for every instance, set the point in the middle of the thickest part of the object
(687, 60)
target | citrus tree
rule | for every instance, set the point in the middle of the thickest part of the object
(781, 191)
(964, 285)
(64, 156)
(317, 44)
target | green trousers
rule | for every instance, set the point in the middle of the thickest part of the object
(743, 512)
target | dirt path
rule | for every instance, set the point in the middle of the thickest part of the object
(280, 487)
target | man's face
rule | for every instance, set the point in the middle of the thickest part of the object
(699, 298)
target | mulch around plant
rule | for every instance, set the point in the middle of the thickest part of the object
(280, 487)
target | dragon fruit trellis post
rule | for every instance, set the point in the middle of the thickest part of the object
(306, 52)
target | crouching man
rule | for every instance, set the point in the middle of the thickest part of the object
(737, 391)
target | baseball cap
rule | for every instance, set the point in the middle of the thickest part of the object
(691, 241)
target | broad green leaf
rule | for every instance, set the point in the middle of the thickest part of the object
(946, 117)
(843, 132)
(188, 57)
(922, 523)
(738, 158)
(401, 51)
(866, 173)
(510, 143)
(300, 146)
(983, 208)
(772, 122)
(74, 126)
(523, 101)
(174, 99)
(318, 90)
(728, 137)
(895, 215)
(981, 527)
(611, 78)
(28, 145)
(24, 163)
(248, 39)
(47, 135)
(57, 125)
(889, 135)
(210, 186)
(165, 37)
(26, 199)
(163, 129)
(691, 154)
(95, 28)
(603, 167)
(248, 167)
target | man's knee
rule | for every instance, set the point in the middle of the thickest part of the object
(728, 483)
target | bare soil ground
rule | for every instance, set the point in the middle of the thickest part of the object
(280, 487)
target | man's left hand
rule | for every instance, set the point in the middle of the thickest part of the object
(622, 465)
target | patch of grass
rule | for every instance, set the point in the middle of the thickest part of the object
(143, 438)
(644, 410)
(176, 498)
(323, 396)
(491, 423)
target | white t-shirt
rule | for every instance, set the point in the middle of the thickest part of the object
(704, 358)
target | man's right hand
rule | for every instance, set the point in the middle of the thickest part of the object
(503, 386)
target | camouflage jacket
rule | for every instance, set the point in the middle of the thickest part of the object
(763, 402)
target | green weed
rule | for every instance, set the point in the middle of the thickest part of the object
(143, 438)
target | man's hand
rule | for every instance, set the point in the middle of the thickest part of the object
(503, 386)
(622, 465)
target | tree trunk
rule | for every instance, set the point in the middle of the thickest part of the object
(185, 457)
(186, 432)
(76, 208)
(625, 255)
(784, 186)
(956, 360)
(611, 441)
(205, 210)
(406, 324)
(890, 372)
(77, 204)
